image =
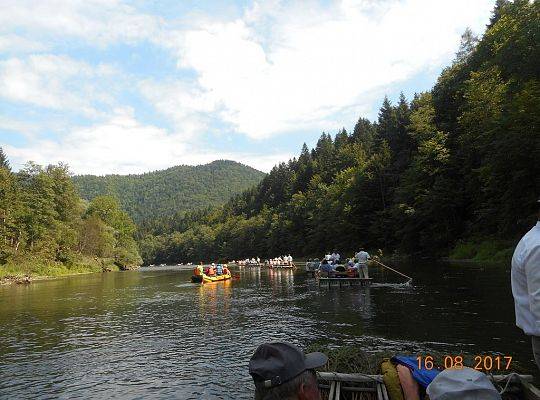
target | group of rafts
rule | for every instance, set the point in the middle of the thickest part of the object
(221, 272)
(211, 273)
(276, 262)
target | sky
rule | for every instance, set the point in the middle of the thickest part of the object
(112, 86)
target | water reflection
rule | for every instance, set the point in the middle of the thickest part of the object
(152, 333)
(214, 297)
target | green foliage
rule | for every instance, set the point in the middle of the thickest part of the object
(464, 251)
(175, 190)
(36, 266)
(4, 162)
(458, 162)
(45, 228)
(490, 251)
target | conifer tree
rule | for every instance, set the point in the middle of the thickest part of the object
(4, 162)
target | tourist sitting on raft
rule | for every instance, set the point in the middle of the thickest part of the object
(330, 267)
(199, 270)
(326, 269)
(283, 371)
(215, 270)
(404, 379)
(280, 261)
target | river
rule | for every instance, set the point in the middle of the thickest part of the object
(152, 334)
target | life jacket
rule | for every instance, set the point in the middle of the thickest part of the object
(211, 271)
(197, 271)
(391, 380)
(422, 376)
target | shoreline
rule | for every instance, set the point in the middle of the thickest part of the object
(32, 270)
(450, 260)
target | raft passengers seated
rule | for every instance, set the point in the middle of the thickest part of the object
(210, 271)
(326, 269)
(335, 257)
(282, 371)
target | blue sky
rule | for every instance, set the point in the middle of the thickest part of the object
(111, 86)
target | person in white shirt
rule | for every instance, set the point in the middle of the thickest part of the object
(526, 285)
(362, 257)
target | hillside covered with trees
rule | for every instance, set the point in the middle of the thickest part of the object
(453, 168)
(46, 229)
(175, 190)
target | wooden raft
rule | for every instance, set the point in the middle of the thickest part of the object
(342, 281)
(338, 386)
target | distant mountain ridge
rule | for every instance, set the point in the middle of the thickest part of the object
(166, 192)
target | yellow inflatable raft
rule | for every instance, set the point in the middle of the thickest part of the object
(216, 278)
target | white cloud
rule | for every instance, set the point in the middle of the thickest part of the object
(122, 145)
(100, 22)
(10, 43)
(315, 61)
(281, 67)
(119, 145)
(56, 82)
(183, 103)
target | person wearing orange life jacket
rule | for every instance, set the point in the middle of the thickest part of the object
(211, 270)
(198, 271)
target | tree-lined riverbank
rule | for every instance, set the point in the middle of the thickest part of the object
(454, 171)
(47, 230)
(29, 269)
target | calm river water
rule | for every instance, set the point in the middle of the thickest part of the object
(152, 334)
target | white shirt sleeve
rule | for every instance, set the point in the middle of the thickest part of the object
(532, 270)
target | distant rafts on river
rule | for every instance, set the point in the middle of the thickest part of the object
(329, 270)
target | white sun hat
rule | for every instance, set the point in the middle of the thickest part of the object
(462, 384)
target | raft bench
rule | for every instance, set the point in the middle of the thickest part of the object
(337, 386)
(341, 281)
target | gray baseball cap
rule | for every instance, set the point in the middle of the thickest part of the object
(462, 384)
(277, 363)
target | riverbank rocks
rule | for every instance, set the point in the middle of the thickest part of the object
(19, 280)
(129, 267)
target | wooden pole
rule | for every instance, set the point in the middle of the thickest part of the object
(336, 376)
(357, 377)
(393, 270)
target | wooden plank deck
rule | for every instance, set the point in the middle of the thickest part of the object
(344, 281)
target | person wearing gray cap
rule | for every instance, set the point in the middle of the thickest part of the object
(282, 371)
(526, 285)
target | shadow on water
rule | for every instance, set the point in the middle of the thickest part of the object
(152, 333)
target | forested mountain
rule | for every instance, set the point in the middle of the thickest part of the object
(45, 226)
(160, 194)
(458, 163)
